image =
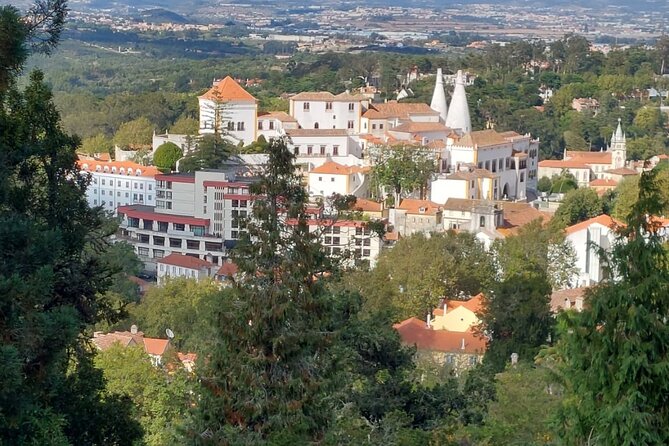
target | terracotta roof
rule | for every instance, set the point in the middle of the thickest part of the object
(127, 168)
(601, 182)
(623, 171)
(364, 205)
(414, 332)
(475, 304)
(482, 138)
(316, 132)
(334, 168)
(348, 97)
(228, 90)
(185, 261)
(148, 213)
(104, 341)
(403, 110)
(392, 236)
(416, 127)
(313, 96)
(511, 135)
(564, 164)
(517, 215)
(589, 157)
(436, 144)
(459, 204)
(559, 297)
(374, 114)
(471, 174)
(155, 346)
(603, 220)
(278, 115)
(228, 269)
(413, 206)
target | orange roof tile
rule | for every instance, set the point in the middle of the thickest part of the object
(603, 220)
(413, 206)
(155, 346)
(417, 127)
(517, 215)
(589, 157)
(414, 332)
(623, 171)
(571, 294)
(482, 138)
(316, 132)
(334, 168)
(364, 205)
(601, 182)
(475, 304)
(278, 115)
(228, 269)
(118, 167)
(228, 90)
(564, 164)
(403, 110)
(185, 261)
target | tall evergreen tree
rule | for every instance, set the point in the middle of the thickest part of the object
(51, 276)
(615, 354)
(269, 364)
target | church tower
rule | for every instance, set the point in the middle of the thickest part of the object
(438, 103)
(458, 113)
(618, 148)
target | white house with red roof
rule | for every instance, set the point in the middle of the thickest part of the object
(324, 110)
(587, 238)
(334, 178)
(190, 267)
(588, 166)
(154, 347)
(232, 109)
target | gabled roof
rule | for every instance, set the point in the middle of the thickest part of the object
(228, 90)
(155, 346)
(589, 157)
(364, 205)
(334, 168)
(475, 304)
(228, 269)
(413, 206)
(126, 168)
(601, 182)
(403, 110)
(564, 164)
(185, 261)
(414, 332)
(278, 115)
(417, 127)
(517, 215)
(623, 171)
(482, 138)
(603, 220)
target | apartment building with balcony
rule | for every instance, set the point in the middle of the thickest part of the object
(195, 215)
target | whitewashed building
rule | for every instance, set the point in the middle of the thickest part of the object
(587, 238)
(334, 178)
(324, 110)
(189, 267)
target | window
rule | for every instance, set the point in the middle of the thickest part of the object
(310, 150)
(103, 192)
(127, 184)
(143, 251)
(243, 203)
(230, 125)
(197, 230)
(175, 242)
(118, 183)
(335, 240)
(158, 254)
(179, 227)
(381, 126)
(192, 244)
(351, 106)
(148, 224)
(367, 242)
(350, 125)
(482, 222)
(234, 234)
(315, 125)
(336, 251)
(336, 230)
(271, 125)
(143, 238)
(259, 125)
(211, 246)
(366, 252)
(328, 240)
(522, 176)
(322, 150)
(240, 126)
(373, 126)
(235, 203)
(132, 221)
(118, 194)
(328, 106)
(296, 150)
(320, 178)
(162, 226)
(305, 106)
(335, 150)
(158, 241)
(103, 181)
(332, 180)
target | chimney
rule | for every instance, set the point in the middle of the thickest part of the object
(429, 320)
(462, 347)
(133, 329)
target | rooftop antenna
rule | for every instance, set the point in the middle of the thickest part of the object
(169, 333)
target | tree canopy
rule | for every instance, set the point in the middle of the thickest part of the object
(167, 155)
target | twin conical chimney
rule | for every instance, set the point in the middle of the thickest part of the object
(458, 113)
(438, 103)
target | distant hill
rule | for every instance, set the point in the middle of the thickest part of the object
(160, 15)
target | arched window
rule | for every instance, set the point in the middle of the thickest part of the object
(315, 125)
(482, 222)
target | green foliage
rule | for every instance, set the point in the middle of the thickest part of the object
(167, 155)
(160, 400)
(410, 279)
(544, 184)
(401, 168)
(259, 146)
(577, 206)
(563, 183)
(210, 153)
(97, 144)
(612, 356)
(135, 133)
(185, 126)
(517, 317)
(649, 119)
(536, 246)
(627, 193)
(183, 305)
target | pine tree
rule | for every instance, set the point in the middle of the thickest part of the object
(269, 365)
(614, 355)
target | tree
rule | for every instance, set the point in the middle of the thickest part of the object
(167, 155)
(210, 153)
(544, 184)
(52, 282)
(574, 141)
(627, 193)
(563, 183)
(517, 317)
(135, 133)
(185, 126)
(97, 144)
(649, 119)
(410, 280)
(182, 305)
(613, 354)
(270, 365)
(402, 168)
(577, 206)
(160, 400)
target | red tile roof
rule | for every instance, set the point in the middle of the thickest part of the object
(564, 164)
(364, 205)
(413, 206)
(417, 127)
(155, 346)
(623, 171)
(589, 157)
(403, 110)
(601, 182)
(482, 138)
(228, 90)
(185, 261)
(559, 297)
(228, 269)
(127, 168)
(414, 332)
(603, 220)
(475, 304)
(148, 213)
(278, 115)
(334, 168)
